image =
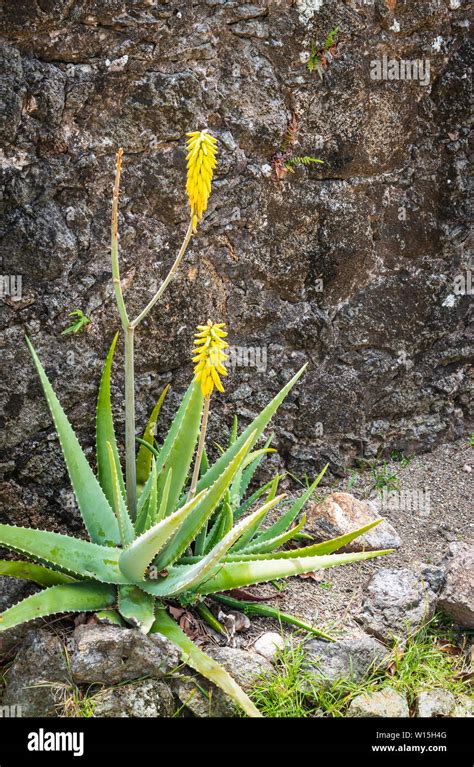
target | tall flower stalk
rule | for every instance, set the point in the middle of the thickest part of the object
(201, 161)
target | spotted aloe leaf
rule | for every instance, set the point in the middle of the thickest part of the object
(139, 555)
(96, 511)
(200, 514)
(232, 575)
(185, 579)
(144, 456)
(43, 576)
(202, 663)
(88, 560)
(136, 607)
(64, 598)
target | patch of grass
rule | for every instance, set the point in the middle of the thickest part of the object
(471, 439)
(384, 478)
(432, 659)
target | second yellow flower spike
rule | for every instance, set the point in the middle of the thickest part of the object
(210, 357)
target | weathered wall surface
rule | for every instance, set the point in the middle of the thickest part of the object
(382, 223)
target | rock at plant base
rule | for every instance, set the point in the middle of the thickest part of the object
(398, 602)
(457, 597)
(350, 659)
(269, 644)
(38, 667)
(243, 666)
(432, 703)
(12, 591)
(149, 698)
(464, 708)
(341, 513)
(387, 702)
(112, 654)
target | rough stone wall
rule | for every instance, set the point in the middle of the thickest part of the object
(383, 223)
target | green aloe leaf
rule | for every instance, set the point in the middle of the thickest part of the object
(31, 572)
(178, 454)
(316, 549)
(256, 428)
(232, 575)
(267, 611)
(186, 578)
(289, 516)
(144, 455)
(64, 598)
(105, 431)
(97, 514)
(136, 607)
(204, 509)
(74, 555)
(127, 533)
(136, 558)
(262, 547)
(249, 472)
(202, 663)
(270, 502)
(222, 525)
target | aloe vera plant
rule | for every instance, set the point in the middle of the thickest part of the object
(182, 534)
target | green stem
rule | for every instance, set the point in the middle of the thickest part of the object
(256, 608)
(114, 244)
(168, 278)
(210, 618)
(130, 456)
(200, 449)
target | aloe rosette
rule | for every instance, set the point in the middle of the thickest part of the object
(175, 548)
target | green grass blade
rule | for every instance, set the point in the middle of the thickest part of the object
(144, 455)
(202, 663)
(232, 575)
(105, 431)
(74, 555)
(97, 514)
(64, 598)
(43, 576)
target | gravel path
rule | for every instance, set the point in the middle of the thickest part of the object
(334, 600)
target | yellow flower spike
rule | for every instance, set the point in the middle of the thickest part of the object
(210, 357)
(201, 161)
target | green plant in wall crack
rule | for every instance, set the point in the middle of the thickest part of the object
(320, 57)
(285, 160)
(186, 532)
(81, 321)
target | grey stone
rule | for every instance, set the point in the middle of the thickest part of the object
(383, 703)
(112, 654)
(457, 596)
(149, 698)
(12, 591)
(269, 644)
(341, 513)
(464, 707)
(367, 223)
(397, 603)
(350, 659)
(431, 703)
(244, 667)
(35, 678)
